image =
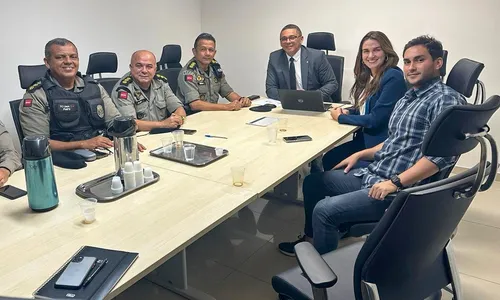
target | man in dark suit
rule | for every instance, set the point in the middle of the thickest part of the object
(298, 67)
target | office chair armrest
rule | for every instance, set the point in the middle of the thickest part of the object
(315, 269)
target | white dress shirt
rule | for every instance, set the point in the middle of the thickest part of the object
(298, 69)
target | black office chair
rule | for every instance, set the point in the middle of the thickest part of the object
(409, 255)
(103, 62)
(464, 76)
(170, 57)
(14, 109)
(443, 67)
(172, 75)
(29, 74)
(326, 41)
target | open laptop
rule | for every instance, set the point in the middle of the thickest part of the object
(303, 100)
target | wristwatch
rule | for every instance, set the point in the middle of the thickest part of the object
(397, 182)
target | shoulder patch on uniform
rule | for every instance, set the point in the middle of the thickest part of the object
(192, 65)
(123, 94)
(188, 78)
(27, 102)
(35, 86)
(161, 77)
(127, 80)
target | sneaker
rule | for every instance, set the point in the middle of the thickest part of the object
(288, 248)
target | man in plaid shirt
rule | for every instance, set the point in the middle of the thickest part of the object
(337, 197)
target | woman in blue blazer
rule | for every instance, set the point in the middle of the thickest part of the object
(378, 85)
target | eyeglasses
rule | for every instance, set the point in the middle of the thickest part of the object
(291, 38)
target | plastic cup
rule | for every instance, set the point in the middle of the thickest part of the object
(219, 151)
(167, 144)
(282, 124)
(238, 174)
(178, 137)
(116, 185)
(88, 206)
(189, 150)
(272, 133)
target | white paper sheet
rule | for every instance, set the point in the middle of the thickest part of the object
(263, 121)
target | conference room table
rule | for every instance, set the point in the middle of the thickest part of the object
(161, 220)
(266, 165)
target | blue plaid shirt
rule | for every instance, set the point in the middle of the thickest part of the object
(409, 122)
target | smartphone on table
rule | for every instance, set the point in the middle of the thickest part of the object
(297, 138)
(11, 192)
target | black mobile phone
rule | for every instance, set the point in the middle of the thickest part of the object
(297, 138)
(189, 131)
(75, 272)
(11, 192)
(253, 97)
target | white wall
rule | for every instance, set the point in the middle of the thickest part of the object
(93, 25)
(247, 31)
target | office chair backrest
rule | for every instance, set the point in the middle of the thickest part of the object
(29, 74)
(442, 71)
(326, 41)
(170, 57)
(403, 256)
(337, 63)
(172, 75)
(103, 62)
(14, 109)
(321, 41)
(464, 76)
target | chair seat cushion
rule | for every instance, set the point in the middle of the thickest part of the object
(294, 285)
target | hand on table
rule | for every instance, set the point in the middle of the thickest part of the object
(97, 142)
(234, 105)
(4, 176)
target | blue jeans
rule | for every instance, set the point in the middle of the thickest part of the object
(346, 203)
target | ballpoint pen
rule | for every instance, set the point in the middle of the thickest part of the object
(100, 264)
(215, 136)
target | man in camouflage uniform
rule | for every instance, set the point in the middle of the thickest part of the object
(201, 81)
(71, 111)
(146, 96)
(9, 158)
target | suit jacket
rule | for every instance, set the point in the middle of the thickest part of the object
(379, 108)
(317, 73)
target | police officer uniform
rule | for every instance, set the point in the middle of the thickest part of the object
(79, 114)
(9, 157)
(156, 104)
(196, 84)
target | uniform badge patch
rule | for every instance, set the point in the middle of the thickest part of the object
(141, 115)
(27, 102)
(123, 95)
(188, 78)
(200, 78)
(100, 111)
(137, 94)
